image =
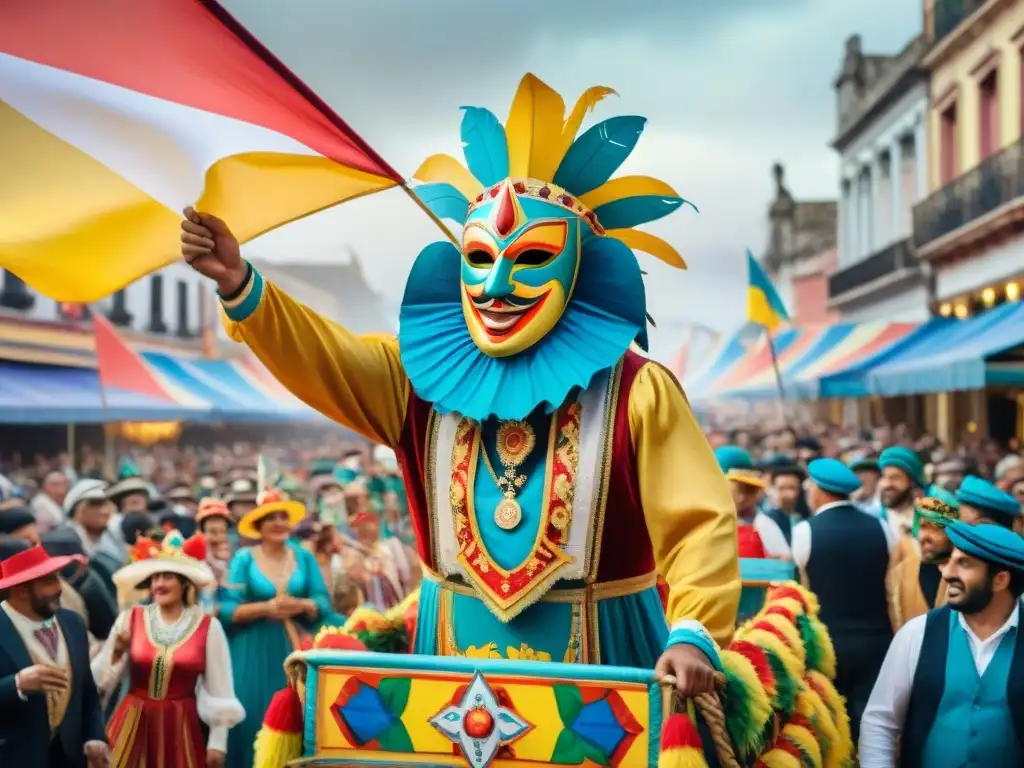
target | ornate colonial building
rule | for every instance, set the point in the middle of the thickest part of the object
(969, 228)
(882, 106)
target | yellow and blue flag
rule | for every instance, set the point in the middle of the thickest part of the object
(764, 307)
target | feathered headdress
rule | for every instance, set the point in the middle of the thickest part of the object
(539, 149)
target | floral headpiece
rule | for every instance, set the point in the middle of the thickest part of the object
(173, 546)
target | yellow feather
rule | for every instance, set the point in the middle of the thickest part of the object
(533, 130)
(445, 168)
(584, 104)
(627, 186)
(655, 246)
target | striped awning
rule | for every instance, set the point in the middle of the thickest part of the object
(26, 341)
(803, 354)
(228, 387)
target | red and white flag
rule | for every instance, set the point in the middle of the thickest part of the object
(116, 114)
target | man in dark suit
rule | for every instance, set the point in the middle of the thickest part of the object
(49, 707)
(843, 555)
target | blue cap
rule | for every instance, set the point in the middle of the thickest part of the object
(833, 476)
(906, 460)
(733, 457)
(738, 465)
(991, 543)
(982, 495)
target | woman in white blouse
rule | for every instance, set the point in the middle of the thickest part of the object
(175, 658)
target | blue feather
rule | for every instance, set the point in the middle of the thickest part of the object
(598, 153)
(633, 211)
(484, 145)
(444, 200)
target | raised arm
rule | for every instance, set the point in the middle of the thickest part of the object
(689, 511)
(355, 380)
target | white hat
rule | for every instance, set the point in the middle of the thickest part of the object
(129, 485)
(382, 454)
(84, 490)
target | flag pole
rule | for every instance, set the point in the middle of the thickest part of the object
(778, 375)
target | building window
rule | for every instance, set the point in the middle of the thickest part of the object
(183, 329)
(119, 314)
(988, 105)
(15, 294)
(156, 305)
(948, 159)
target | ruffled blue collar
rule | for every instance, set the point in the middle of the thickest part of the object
(445, 367)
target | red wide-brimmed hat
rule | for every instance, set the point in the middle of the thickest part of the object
(33, 564)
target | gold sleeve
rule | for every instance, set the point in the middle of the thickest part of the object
(687, 505)
(355, 380)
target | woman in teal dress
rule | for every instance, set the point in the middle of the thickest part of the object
(274, 595)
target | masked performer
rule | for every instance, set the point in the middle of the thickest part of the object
(552, 470)
(176, 659)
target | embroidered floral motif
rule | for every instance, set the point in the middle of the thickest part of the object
(507, 593)
(490, 651)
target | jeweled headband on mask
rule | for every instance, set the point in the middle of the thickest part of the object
(546, 291)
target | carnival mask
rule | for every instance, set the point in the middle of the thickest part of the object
(520, 258)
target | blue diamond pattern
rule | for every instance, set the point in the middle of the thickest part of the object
(597, 724)
(365, 715)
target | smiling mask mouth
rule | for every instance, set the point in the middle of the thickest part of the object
(500, 316)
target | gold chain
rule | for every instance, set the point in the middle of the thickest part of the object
(506, 485)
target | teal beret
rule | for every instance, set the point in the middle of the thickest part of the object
(732, 457)
(344, 475)
(991, 543)
(833, 476)
(982, 495)
(904, 459)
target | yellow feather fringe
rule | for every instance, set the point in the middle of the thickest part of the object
(683, 757)
(627, 186)
(584, 104)
(445, 168)
(648, 243)
(810, 705)
(786, 628)
(806, 741)
(778, 758)
(768, 641)
(276, 750)
(759, 701)
(837, 707)
(534, 130)
(828, 651)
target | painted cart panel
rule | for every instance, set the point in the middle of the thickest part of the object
(376, 709)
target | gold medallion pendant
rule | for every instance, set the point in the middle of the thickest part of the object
(515, 441)
(508, 514)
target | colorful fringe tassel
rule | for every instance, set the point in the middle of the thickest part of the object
(681, 745)
(279, 741)
(781, 709)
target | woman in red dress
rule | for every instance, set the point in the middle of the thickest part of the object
(176, 661)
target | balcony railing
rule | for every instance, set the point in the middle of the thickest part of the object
(949, 13)
(995, 182)
(887, 261)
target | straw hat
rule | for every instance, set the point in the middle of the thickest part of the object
(270, 502)
(177, 555)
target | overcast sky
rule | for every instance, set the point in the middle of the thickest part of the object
(729, 87)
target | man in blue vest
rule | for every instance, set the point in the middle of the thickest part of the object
(843, 555)
(951, 690)
(982, 502)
